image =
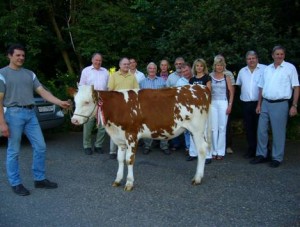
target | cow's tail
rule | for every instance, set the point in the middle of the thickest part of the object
(208, 129)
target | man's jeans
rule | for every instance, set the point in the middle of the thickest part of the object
(22, 120)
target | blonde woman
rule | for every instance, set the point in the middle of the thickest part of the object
(200, 72)
(222, 98)
(201, 76)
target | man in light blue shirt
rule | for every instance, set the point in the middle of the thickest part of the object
(154, 82)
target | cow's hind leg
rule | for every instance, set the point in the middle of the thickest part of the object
(130, 159)
(120, 173)
(201, 147)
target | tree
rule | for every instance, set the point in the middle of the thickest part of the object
(61, 35)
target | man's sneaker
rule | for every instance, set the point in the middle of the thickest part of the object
(113, 156)
(258, 159)
(275, 164)
(20, 190)
(98, 150)
(166, 151)
(208, 161)
(191, 158)
(88, 151)
(146, 150)
(45, 184)
(229, 150)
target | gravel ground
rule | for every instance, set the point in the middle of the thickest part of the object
(233, 192)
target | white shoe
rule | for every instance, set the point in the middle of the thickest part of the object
(229, 150)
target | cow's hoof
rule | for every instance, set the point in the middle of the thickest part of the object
(116, 184)
(128, 188)
(196, 182)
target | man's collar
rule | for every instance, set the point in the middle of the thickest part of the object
(92, 67)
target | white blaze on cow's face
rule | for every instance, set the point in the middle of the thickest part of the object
(84, 105)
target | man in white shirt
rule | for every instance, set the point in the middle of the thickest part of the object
(277, 85)
(133, 70)
(248, 78)
(97, 76)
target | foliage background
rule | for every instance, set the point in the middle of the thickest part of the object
(61, 35)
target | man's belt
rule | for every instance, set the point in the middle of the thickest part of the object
(276, 100)
(26, 106)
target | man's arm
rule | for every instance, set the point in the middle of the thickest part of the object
(258, 107)
(3, 126)
(293, 109)
(51, 98)
(230, 88)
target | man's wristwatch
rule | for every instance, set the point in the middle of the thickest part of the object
(295, 105)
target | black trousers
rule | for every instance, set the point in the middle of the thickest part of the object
(250, 123)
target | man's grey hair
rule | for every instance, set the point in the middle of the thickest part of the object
(251, 52)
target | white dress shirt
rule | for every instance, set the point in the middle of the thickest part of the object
(249, 82)
(277, 83)
(97, 77)
(139, 76)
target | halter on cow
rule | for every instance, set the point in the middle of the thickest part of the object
(159, 114)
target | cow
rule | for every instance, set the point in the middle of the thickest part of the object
(129, 115)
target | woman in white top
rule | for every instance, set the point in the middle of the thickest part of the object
(221, 104)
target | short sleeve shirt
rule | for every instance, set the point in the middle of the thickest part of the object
(203, 80)
(249, 82)
(18, 86)
(172, 79)
(277, 83)
(155, 83)
(117, 81)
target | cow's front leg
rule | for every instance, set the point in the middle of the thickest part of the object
(130, 159)
(120, 173)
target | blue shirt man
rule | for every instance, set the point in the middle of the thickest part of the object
(154, 82)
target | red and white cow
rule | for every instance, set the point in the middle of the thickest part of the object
(159, 114)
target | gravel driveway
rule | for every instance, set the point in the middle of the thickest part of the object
(233, 192)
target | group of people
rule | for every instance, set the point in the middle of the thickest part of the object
(259, 86)
(265, 95)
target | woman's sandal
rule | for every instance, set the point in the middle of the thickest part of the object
(220, 157)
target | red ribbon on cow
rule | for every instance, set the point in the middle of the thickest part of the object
(100, 114)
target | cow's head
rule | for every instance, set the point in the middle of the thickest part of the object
(85, 104)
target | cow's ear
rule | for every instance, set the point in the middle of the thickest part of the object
(92, 87)
(71, 91)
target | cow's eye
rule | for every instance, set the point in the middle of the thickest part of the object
(86, 103)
